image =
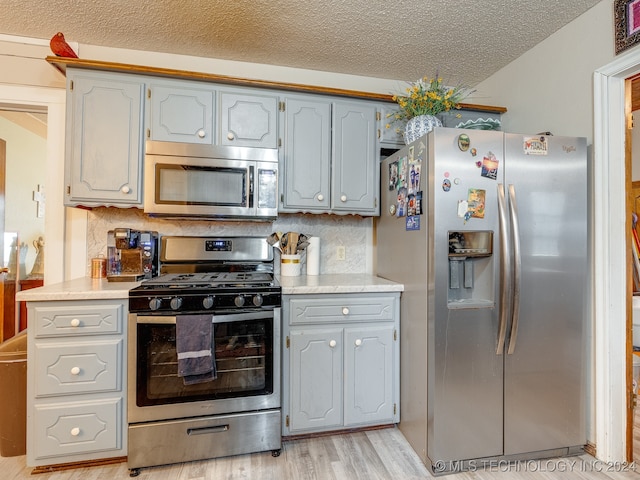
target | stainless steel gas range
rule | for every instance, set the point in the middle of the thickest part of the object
(225, 287)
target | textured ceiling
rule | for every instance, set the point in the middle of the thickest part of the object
(465, 40)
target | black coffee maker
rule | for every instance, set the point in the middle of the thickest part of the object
(132, 255)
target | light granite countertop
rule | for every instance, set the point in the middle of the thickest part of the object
(86, 288)
(337, 283)
(83, 288)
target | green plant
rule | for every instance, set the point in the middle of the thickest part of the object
(427, 97)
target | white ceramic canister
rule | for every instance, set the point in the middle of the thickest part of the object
(290, 265)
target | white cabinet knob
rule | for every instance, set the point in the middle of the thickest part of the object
(201, 133)
(345, 311)
(75, 371)
(126, 189)
(230, 136)
(343, 198)
(333, 343)
(320, 197)
(75, 431)
(358, 342)
(75, 322)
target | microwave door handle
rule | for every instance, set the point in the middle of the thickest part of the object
(250, 189)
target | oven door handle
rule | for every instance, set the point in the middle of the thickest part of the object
(207, 430)
(215, 318)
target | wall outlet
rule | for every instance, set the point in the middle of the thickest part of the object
(341, 253)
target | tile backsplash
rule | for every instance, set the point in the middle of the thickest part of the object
(350, 231)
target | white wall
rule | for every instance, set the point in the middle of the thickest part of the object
(550, 87)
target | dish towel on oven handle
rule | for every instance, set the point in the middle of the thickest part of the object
(196, 362)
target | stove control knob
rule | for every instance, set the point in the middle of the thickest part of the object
(208, 302)
(257, 300)
(176, 303)
(239, 301)
(155, 303)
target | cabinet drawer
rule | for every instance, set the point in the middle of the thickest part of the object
(341, 309)
(76, 428)
(71, 319)
(78, 367)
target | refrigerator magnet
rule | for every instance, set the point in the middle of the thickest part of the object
(412, 223)
(402, 173)
(446, 185)
(401, 209)
(474, 152)
(463, 142)
(535, 145)
(463, 206)
(393, 175)
(412, 205)
(489, 166)
(476, 201)
(414, 177)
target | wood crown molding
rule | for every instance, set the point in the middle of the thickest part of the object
(61, 64)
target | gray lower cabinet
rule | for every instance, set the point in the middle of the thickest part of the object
(329, 160)
(104, 142)
(76, 385)
(340, 362)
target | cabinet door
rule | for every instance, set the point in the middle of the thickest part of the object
(64, 368)
(181, 112)
(316, 379)
(248, 120)
(391, 134)
(355, 166)
(307, 155)
(368, 382)
(75, 428)
(104, 130)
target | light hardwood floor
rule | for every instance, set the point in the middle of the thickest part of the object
(373, 455)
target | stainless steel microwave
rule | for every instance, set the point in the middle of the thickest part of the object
(215, 182)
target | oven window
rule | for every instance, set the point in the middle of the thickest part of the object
(243, 356)
(193, 185)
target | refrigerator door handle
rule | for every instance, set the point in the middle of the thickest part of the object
(504, 269)
(517, 268)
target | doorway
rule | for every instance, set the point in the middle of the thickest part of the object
(62, 229)
(23, 148)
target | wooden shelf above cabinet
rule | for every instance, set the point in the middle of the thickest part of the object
(61, 64)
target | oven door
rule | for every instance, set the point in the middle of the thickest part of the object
(246, 348)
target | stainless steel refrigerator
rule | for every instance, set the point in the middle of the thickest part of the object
(488, 233)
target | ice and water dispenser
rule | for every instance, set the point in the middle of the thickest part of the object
(471, 268)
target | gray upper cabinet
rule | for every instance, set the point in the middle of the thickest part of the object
(355, 171)
(391, 135)
(307, 153)
(181, 112)
(104, 139)
(329, 158)
(248, 119)
(197, 112)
